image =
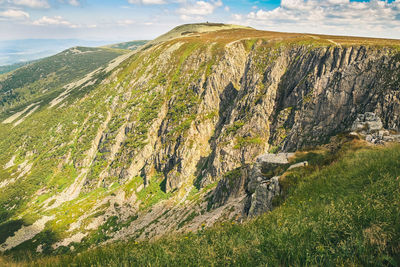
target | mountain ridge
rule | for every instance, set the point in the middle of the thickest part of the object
(165, 139)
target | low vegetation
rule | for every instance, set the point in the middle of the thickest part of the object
(132, 45)
(41, 78)
(342, 209)
(343, 213)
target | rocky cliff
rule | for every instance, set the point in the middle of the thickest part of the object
(140, 153)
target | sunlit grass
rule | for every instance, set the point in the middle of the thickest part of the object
(346, 213)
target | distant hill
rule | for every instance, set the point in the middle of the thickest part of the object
(16, 51)
(132, 45)
(192, 29)
(45, 76)
(8, 68)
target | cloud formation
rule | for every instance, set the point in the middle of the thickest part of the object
(14, 14)
(198, 9)
(70, 2)
(74, 2)
(126, 22)
(147, 2)
(57, 21)
(378, 18)
(31, 3)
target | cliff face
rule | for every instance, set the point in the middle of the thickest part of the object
(282, 98)
(160, 128)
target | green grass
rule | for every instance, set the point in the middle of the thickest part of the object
(247, 141)
(232, 129)
(173, 89)
(132, 45)
(153, 193)
(347, 213)
(25, 85)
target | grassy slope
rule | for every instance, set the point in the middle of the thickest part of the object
(188, 29)
(345, 213)
(132, 45)
(41, 127)
(9, 68)
(41, 79)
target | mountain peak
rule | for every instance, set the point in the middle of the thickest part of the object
(195, 28)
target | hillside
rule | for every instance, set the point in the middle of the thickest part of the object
(42, 79)
(324, 221)
(132, 45)
(188, 30)
(197, 130)
(9, 68)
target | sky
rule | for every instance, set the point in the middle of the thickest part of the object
(123, 20)
(118, 20)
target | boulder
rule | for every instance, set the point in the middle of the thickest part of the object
(367, 122)
(297, 165)
(262, 189)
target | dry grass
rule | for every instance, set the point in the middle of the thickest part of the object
(231, 35)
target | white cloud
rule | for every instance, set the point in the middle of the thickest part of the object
(147, 2)
(125, 22)
(70, 2)
(199, 8)
(31, 3)
(56, 21)
(191, 19)
(375, 18)
(237, 17)
(74, 2)
(14, 14)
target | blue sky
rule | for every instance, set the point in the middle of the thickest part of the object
(118, 20)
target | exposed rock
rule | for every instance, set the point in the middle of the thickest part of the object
(297, 165)
(6, 182)
(18, 114)
(279, 158)
(194, 113)
(232, 185)
(26, 115)
(25, 233)
(370, 127)
(73, 239)
(326, 90)
(261, 189)
(39, 249)
(263, 164)
(253, 182)
(75, 188)
(367, 122)
(261, 199)
(10, 163)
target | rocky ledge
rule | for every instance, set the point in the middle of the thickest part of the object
(370, 127)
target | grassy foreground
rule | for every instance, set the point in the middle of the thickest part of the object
(347, 213)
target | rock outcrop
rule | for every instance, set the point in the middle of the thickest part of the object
(370, 127)
(159, 128)
(263, 186)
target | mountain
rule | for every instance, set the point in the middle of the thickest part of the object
(193, 30)
(40, 80)
(132, 45)
(9, 68)
(18, 51)
(200, 130)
